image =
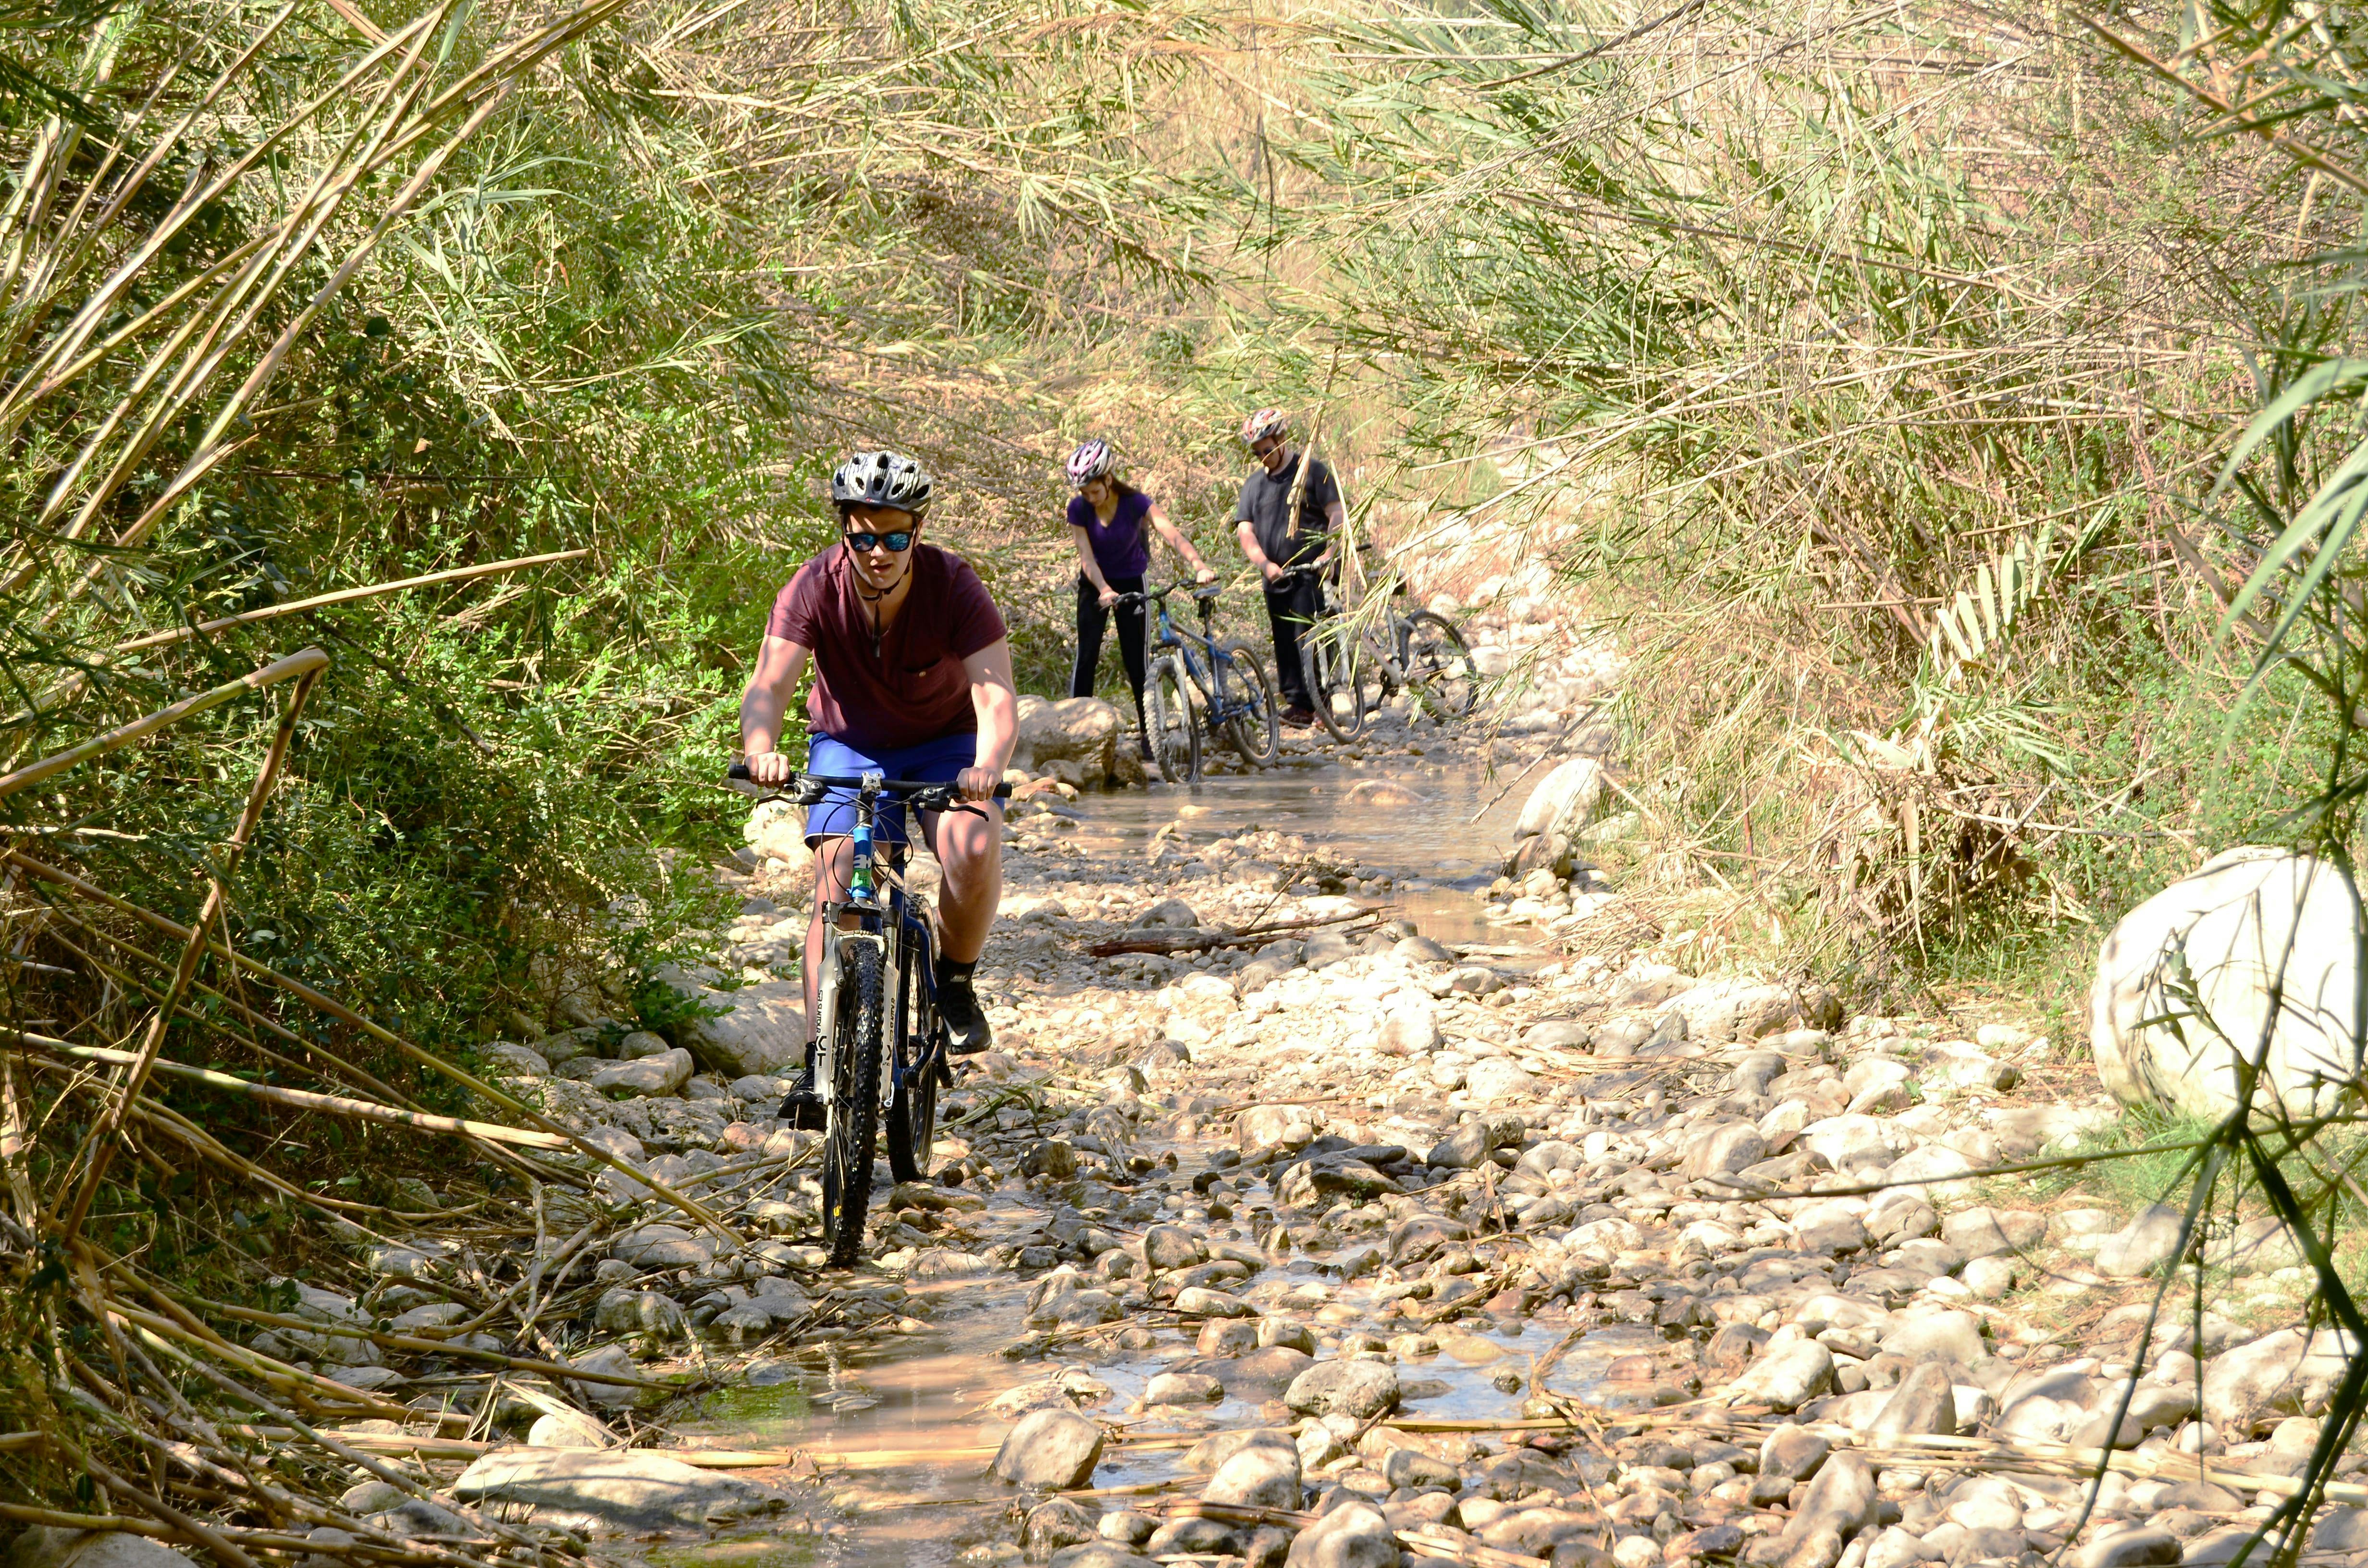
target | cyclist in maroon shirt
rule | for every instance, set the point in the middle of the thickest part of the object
(913, 680)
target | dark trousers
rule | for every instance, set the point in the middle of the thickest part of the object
(1092, 616)
(1291, 609)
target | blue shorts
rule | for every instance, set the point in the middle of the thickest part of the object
(940, 761)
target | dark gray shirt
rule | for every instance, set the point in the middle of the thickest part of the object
(1266, 498)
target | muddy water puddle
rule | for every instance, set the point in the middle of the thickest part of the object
(1442, 825)
(900, 1433)
(900, 1436)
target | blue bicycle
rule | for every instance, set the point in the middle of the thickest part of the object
(1199, 680)
(880, 1043)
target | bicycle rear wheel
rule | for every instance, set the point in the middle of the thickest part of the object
(1174, 728)
(1338, 676)
(1256, 727)
(1437, 665)
(854, 1129)
(913, 1113)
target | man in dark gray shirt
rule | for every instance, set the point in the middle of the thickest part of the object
(1276, 543)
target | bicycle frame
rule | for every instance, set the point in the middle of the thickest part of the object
(874, 923)
(1201, 655)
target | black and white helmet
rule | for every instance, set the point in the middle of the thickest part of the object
(882, 479)
(1092, 460)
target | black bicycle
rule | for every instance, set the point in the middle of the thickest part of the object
(879, 1042)
(1354, 662)
(1202, 680)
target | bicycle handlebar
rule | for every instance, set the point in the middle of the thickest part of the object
(1200, 591)
(918, 792)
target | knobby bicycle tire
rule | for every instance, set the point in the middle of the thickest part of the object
(1257, 734)
(1438, 663)
(1168, 714)
(913, 1112)
(854, 1108)
(1330, 654)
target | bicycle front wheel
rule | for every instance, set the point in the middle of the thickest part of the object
(1334, 658)
(854, 1129)
(1437, 665)
(913, 1112)
(1255, 727)
(1167, 715)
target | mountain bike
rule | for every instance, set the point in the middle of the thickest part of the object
(1355, 664)
(1202, 680)
(880, 1043)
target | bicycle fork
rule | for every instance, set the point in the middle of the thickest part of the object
(861, 899)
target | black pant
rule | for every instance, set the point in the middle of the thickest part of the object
(1291, 607)
(1092, 615)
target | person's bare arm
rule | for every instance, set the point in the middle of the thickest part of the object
(1257, 557)
(996, 704)
(1335, 514)
(779, 663)
(1201, 571)
(1091, 567)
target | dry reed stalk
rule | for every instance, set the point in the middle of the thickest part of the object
(337, 1010)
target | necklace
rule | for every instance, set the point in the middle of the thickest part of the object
(878, 629)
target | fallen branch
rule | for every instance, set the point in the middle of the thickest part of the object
(1253, 935)
(418, 1346)
(426, 1448)
(302, 1099)
(385, 1036)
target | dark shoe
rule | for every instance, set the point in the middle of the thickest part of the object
(1298, 718)
(967, 1033)
(804, 1109)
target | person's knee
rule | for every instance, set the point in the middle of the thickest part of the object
(970, 847)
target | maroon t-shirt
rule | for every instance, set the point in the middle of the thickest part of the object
(911, 687)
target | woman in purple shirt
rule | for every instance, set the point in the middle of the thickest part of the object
(1110, 519)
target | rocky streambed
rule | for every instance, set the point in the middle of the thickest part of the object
(1315, 1211)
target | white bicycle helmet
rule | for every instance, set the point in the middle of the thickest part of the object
(1092, 460)
(882, 479)
(1264, 422)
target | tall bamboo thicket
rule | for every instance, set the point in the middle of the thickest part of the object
(412, 415)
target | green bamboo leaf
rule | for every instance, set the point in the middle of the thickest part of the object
(1948, 623)
(2312, 385)
(2317, 515)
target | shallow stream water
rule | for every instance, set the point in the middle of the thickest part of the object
(897, 1427)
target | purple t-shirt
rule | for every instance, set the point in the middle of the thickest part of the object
(1121, 546)
(911, 687)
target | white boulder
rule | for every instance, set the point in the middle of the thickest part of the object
(1563, 799)
(1076, 740)
(2187, 980)
(763, 1030)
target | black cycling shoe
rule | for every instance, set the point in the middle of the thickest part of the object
(967, 1033)
(804, 1109)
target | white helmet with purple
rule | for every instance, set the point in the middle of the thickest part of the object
(1092, 460)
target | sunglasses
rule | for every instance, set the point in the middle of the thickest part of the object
(1266, 445)
(895, 543)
